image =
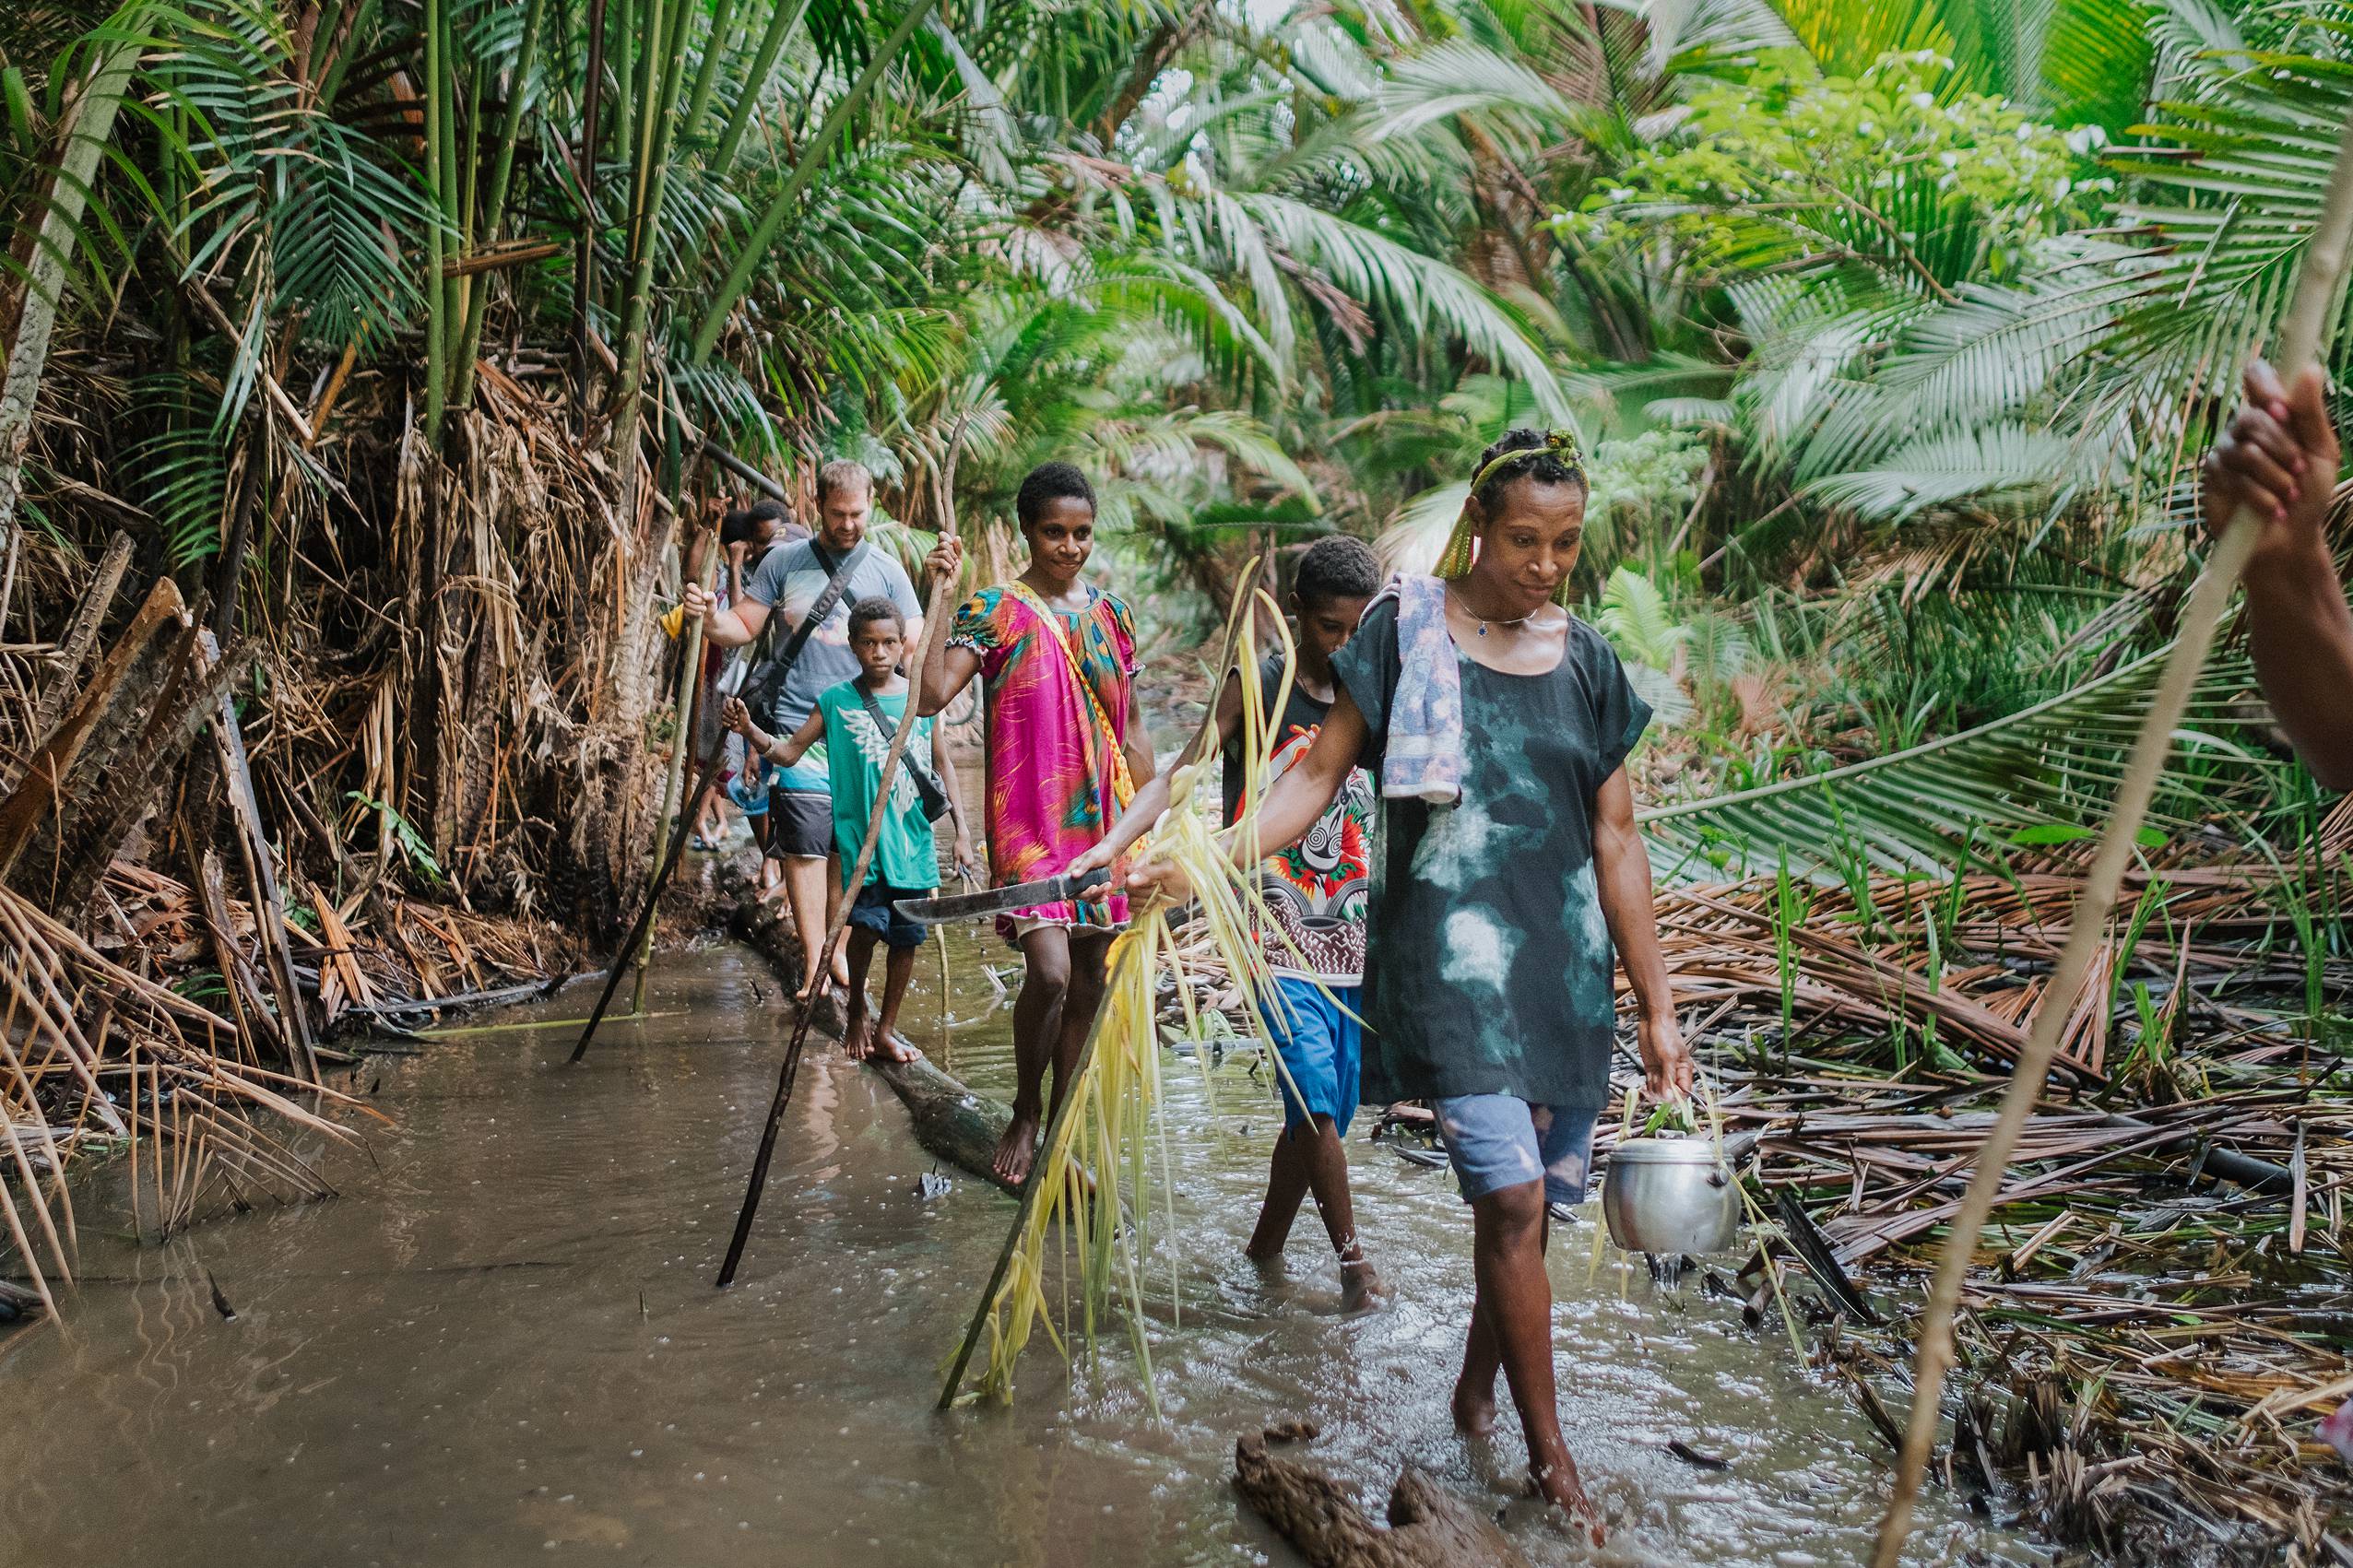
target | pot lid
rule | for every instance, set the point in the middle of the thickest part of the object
(1666, 1150)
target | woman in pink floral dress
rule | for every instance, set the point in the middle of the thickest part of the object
(1065, 751)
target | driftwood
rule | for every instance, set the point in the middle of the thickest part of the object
(81, 636)
(1429, 1526)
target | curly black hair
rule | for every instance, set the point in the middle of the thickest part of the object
(1048, 483)
(1338, 566)
(868, 611)
(1542, 464)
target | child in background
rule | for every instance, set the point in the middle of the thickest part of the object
(856, 720)
(1316, 892)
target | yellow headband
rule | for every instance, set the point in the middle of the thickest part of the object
(1560, 444)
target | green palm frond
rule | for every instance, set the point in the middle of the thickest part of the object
(1994, 466)
(179, 475)
(2055, 763)
(1425, 296)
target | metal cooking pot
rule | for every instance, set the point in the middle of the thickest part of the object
(1670, 1196)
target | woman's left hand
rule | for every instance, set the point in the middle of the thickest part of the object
(1666, 1060)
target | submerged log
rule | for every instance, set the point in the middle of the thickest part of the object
(1429, 1526)
(951, 1121)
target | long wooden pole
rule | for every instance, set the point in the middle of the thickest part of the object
(690, 717)
(768, 677)
(1050, 1152)
(2320, 285)
(934, 613)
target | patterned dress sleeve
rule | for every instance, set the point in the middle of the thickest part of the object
(1123, 634)
(978, 625)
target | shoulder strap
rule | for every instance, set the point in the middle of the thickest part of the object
(1123, 785)
(927, 782)
(837, 583)
(760, 692)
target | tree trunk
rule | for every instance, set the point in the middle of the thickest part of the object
(1429, 1526)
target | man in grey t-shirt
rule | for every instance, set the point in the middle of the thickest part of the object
(800, 809)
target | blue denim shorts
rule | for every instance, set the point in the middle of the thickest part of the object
(1501, 1140)
(1322, 1046)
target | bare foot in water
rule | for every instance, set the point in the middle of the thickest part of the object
(1557, 1482)
(1361, 1288)
(1474, 1410)
(1017, 1149)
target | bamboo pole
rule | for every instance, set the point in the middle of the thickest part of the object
(1050, 1158)
(783, 22)
(812, 159)
(492, 217)
(689, 692)
(437, 129)
(691, 689)
(934, 614)
(770, 677)
(2320, 285)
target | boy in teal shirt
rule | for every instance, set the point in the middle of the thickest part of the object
(856, 720)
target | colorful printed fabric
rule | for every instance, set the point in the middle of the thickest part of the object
(1050, 796)
(1317, 888)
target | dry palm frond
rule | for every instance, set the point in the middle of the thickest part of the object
(92, 1052)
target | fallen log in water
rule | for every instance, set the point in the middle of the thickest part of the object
(1429, 1526)
(951, 1121)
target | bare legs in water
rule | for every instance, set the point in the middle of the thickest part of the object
(1310, 1158)
(1061, 991)
(1511, 1330)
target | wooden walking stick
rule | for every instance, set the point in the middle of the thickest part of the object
(1045, 1169)
(759, 694)
(934, 610)
(690, 720)
(2320, 284)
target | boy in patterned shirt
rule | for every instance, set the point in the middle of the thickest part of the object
(1316, 892)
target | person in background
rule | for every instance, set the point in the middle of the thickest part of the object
(1316, 892)
(748, 535)
(2279, 455)
(791, 580)
(906, 864)
(1508, 866)
(1066, 748)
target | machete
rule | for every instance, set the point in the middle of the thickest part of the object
(998, 901)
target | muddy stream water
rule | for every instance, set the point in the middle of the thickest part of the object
(502, 1345)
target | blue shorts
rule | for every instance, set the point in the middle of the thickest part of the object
(1500, 1140)
(872, 912)
(1322, 1048)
